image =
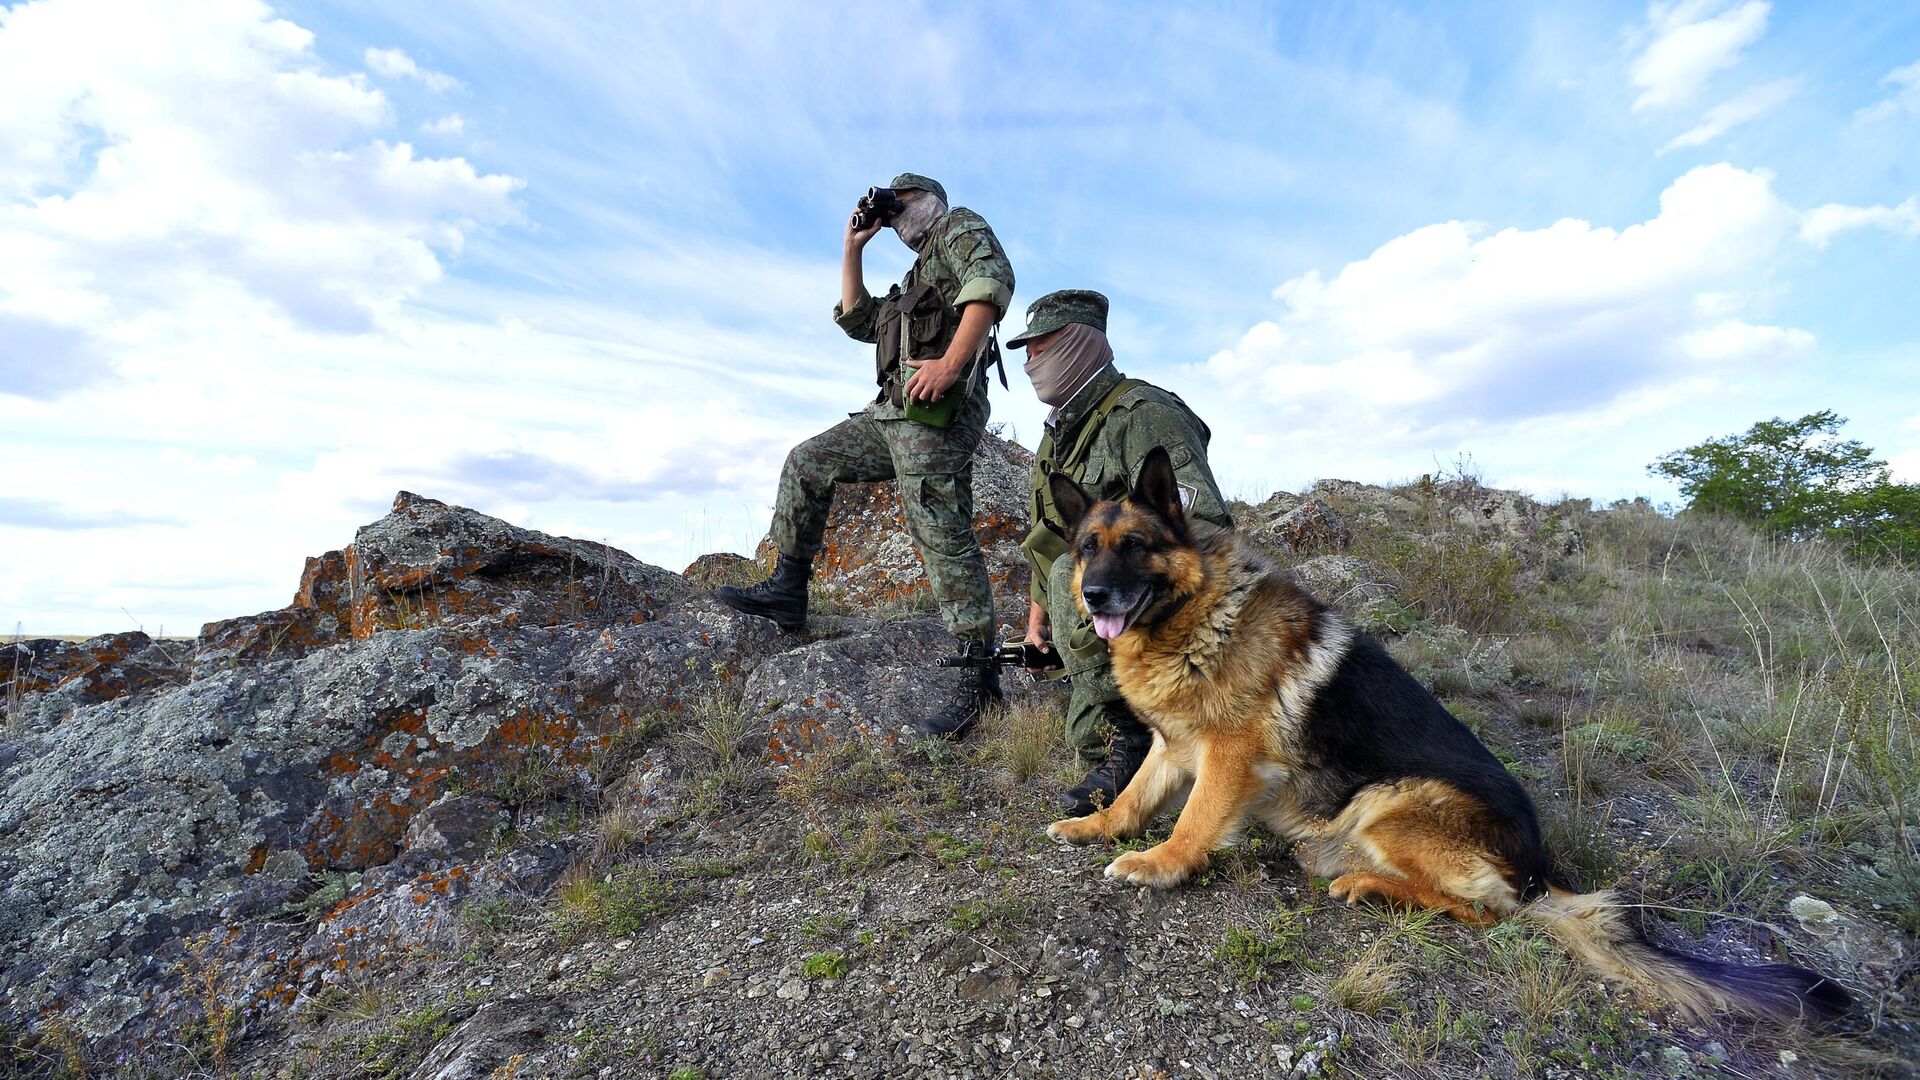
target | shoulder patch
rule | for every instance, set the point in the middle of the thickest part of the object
(963, 220)
(970, 244)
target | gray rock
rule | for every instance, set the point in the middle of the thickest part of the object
(1517, 517)
(862, 684)
(1340, 580)
(427, 564)
(50, 679)
(357, 780)
(488, 1040)
(1311, 526)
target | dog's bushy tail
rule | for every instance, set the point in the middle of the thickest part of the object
(1595, 928)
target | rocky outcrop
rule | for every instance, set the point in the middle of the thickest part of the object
(62, 676)
(340, 765)
(1461, 504)
(1515, 516)
(709, 572)
(309, 794)
(1311, 527)
(869, 561)
(428, 563)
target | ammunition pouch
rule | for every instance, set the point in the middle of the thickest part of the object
(916, 323)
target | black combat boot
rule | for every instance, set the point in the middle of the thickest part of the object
(1131, 741)
(782, 597)
(959, 713)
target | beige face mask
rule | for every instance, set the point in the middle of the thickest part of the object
(917, 219)
(1067, 362)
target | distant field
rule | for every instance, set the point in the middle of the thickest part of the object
(10, 638)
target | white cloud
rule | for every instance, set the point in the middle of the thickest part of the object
(1754, 103)
(1904, 101)
(1453, 332)
(396, 64)
(1819, 225)
(198, 208)
(201, 167)
(451, 124)
(1691, 40)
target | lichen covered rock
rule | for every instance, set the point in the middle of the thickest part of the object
(323, 781)
(62, 676)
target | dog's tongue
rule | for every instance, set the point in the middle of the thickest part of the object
(1109, 626)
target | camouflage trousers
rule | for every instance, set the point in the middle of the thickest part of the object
(934, 468)
(1090, 669)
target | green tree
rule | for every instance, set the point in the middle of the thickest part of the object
(1798, 478)
(1884, 519)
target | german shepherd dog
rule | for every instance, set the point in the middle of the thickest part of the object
(1267, 706)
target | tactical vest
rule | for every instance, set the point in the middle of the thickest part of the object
(916, 323)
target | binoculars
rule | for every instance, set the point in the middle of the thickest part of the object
(878, 204)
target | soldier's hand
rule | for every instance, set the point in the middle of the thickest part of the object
(930, 379)
(857, 238)
(1039, 641)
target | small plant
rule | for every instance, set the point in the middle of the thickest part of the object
(488, 917)
(715, 746)
(825, 927)
(997, 916)
(1455, 577)
(1249, 952)
(208, 1036)
(620, 829)
(394, 1051)
(1423, 1041)
(618, 905)
(825, 965)
(951, 850)
(59, 1042)
(1540, 979)
(352, 1002)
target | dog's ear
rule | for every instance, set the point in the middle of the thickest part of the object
(1069, 498)
(1156, 488)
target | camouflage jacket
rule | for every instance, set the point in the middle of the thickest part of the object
(1143, 417)
(963, 262)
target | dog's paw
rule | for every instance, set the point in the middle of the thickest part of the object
(1155, 868)
(1355, 886)
(1077, 830)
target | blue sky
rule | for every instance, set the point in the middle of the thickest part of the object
(573, 265)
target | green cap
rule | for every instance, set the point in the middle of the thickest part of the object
(916, 182)
(1057, 309)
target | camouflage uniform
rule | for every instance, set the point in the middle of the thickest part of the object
(960, 262)
(1142, 417)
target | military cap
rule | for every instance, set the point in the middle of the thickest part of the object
(916, 182)
(1057, 309)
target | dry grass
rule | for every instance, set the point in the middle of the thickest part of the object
(1374, 979)
(1715, 719)
(1024, 738)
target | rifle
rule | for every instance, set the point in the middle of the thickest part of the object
(1012, 654)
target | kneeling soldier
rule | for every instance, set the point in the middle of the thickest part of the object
(932, 352)
(1101, 428)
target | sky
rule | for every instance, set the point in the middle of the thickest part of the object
(263, 266)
